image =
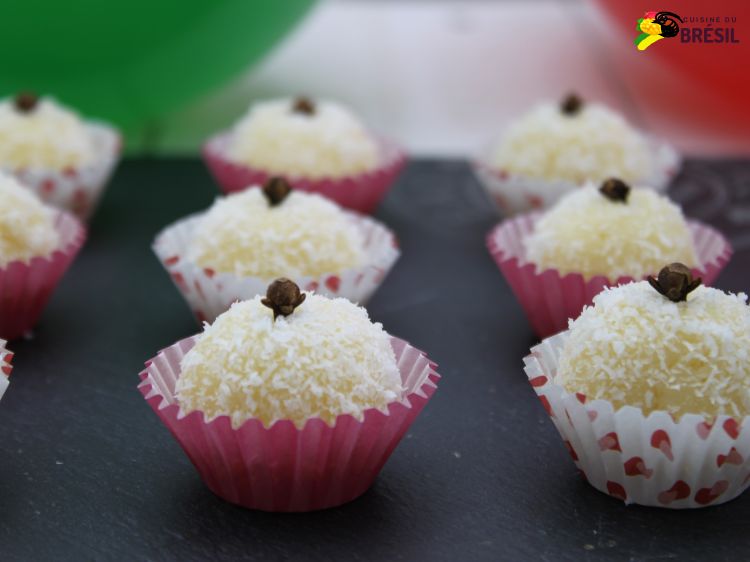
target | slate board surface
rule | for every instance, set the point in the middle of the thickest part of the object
(87, 472)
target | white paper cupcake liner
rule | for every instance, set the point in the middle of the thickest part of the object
(648, 460)
(5, 367)
(76, 189)
(513, 193)
(209, 293)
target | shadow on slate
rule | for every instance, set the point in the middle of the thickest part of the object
(88, 471)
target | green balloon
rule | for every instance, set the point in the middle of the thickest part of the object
(130, 61)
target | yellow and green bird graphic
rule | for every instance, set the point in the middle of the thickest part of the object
(655, 26)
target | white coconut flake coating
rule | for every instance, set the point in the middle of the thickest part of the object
(590, 234)
(27, 226)
(323, 360)
(48, 137)
(304, 235)
(591, 145)
(331, 142)
(635, 347)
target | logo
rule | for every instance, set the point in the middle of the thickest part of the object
(655, 26)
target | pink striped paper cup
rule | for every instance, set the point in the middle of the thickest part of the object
(25, 287)
(77, 189)
(648, 460)
(282, 467)
(360, 192)
(550, 299)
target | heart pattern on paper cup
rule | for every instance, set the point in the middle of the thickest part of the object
(636, 466)
(679, 491)
(660, 440)
(5, 367)
(514, 193)
(77, 190)
(209, 293)
(649, 460)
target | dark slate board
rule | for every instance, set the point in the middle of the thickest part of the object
(88, 472)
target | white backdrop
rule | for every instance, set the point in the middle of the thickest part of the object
(441, 77)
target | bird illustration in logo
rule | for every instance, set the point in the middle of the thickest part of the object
(655, 26)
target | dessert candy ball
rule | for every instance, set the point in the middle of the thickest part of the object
(575, 142)
(292, 356)
(303, 138)
(612, 231)
(275, 402)
(638, 347)
(40, 133)
(27, 226)
(253, 233)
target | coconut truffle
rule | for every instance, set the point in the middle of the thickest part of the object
(310, 139)
(42, 134)
(591, 234)
(635, 347)
(305, 234)
(588, 144)
(27, 226)
(323, 360)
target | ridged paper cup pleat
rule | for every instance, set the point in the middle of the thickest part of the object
(283, 467)
(360, 192)
(5, 367)
(550, 299)
(77, 189)
(649, 460)
(514, 193)
(25, 287)
(209, 293)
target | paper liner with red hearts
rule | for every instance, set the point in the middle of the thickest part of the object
(25, 287)
(282, 467)
(550, 299)
(651, 460)
(514, 194)
(5, 367)
(361, 192)
(77, 189)
(209, 293)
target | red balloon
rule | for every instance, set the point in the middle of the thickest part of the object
(694, 83)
